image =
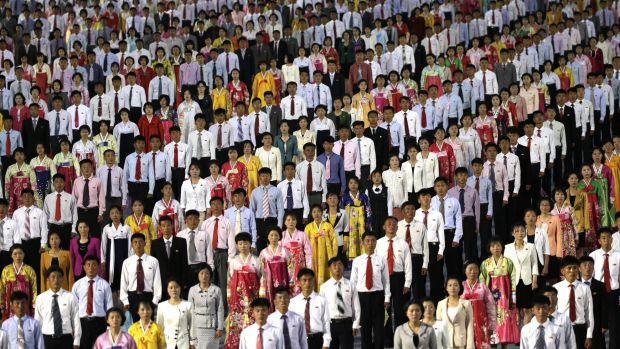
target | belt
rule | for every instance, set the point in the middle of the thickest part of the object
(366, 165)
(433, 243)
(341, 320)
(449, 230)
(92, 318)
(320, 191)
(315, 334)
(88, 208)
(221, 250)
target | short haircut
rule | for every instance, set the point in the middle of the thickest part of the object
(192, 213)
(138, 236)
(54, 269)
(305, 271)
(569, 261)
(19, 296)
(540, 300)
(334, 260)
(243, 237)
(260, 303)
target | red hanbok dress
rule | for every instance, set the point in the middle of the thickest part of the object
(483, 305)
(381, 99)
(299, 246)
(491, 54)
(278, 268)
(330, 54)
(144, 77)
(236, 174)
(149, 128)
(446, 160)
(238, 93)
(502, 121)
(564, 76)
(277, 79)
(176, 67)
(19, 115)
(486, 128)
(17, 179)
(396, 93)
(41, 79)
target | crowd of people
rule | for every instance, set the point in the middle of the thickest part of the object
(196, 173)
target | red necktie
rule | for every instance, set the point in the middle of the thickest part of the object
(259, 340)
(140, 276)
(216, 228)
(406, 125)
(292, 105)
(342, 150)
(477, 184)
(77, 118)
(307, 315)
(423, 117)
(529, 142)
(89, 302)
(425, 221)
(606, 274)
(138, 169)
(408, 236)
(176, 156)
(256, 124)
(390, 257)
(57, 213)
(369, 274)
(539, 133)
(309, 182)
(571, 304)
(8, 143)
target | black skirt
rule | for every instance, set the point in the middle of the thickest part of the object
(524, 295)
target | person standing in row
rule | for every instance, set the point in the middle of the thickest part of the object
(314, 309)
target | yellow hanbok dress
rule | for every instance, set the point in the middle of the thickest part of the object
(363, 103)
(14, 279)
(142, 225)
(220, 98)
(104, 143)
(252, 165)
(358, 210)
(324, 247)
(263, 82)
(613, 163)
(152, 338)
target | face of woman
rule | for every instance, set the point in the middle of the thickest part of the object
(429, 309)
(353, 186)
(597, 156)
(54, 241)
(194, 171)
(145, 312)
(115, 319)
(174, 290)
(544, 206)
(573, 179)
(586, 171)
(453, 287)
(17, 255)
(530, 217)
(317, 214)
(284, 128)
(559, 197)
(204, 276)
(414, 312)
(290, 222)
(471, 272)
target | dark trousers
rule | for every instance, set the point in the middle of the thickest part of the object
(586, 147)
(418, 280)
(602, 129)
(397, 283)
(90, 216)
(546, 180)
(315, 341)
(95, 128)
(485, 231)
(453, 255)
(32, 257)
(333, 188)
(138, 191)
(364, 182)
(91, 329)
(5, 259)
(134, 300)
(580, 335)
(577, 152)
(157, 195)
(220, 262)
(342, 334)
(349, 174)
(372, 311)
(316, 197)
(613, 324)
(203, 164)
(262, 224)
(299, 214)
(6, 162)
(64, 231)
(54, 147)
(534, 194)
(435, 272)
(558, 172)
(498, 216)
(76, 135)
(134, 114)
(470, 239)
(63, 342)
(178, 176)
(221, 155)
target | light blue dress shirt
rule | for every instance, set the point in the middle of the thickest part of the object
(485, 191)
(452, 107)
(16, 141)
(276, 206)
(248, 222)
(451, 214)
(102, 296)
(33, 335)
(397, 134)
(146, 170)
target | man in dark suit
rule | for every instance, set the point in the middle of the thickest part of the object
(419, 57)
(246, 62)
(334, 80)
(597, 288)
(288, 13)
(359, 71)
(261, 52)
(35, 130)
(506, 72)
(171, 252)
(566, 115)
(274, 112)
(379, 136)
(162, 17)
(291, 42)
(97, 73)
(524, 198)
(26, 49)
(278, 48)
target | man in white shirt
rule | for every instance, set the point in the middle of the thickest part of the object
(410, 122)
(575, 300)
(369, 275)
(60, 221)
(134, 97)
(9, 233)
(101, 108)
(57, 311)
(294, 193)
(559, 319)
(32, 224)
(414, 234)
(433, 220)
(398, 256)
(368, 155)
(288, 322)
(314, 310)
(140, 278)
(344, 305)
(488, 80)
(541, 332)
(548, 142)
(293, 106)
(537, 157)
(261, 334)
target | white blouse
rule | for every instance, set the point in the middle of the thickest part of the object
(396, 182)
(290, 73)
(194, 196)
(426, 171)
(176, 321)
(271, 159)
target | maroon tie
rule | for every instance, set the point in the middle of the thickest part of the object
(140, 276)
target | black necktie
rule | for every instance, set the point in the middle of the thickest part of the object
(86, 198)
(285, 333)
(461, 92)
(57, 318)
(289, 197)
(462, 200)
(108, 190)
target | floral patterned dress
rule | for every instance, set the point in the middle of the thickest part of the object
(14, 279)
(486, 128)
(252, 165)
(613, 162)
(17, 179)
(593, 189)
(501, 278)
(446, 159)
(568, 227)
(243, 287)
(483, 304)
(298, 245)
(44, 170)
(603, 175)
(278, 268)
(236, 174)
(362, 103)
(358, 210)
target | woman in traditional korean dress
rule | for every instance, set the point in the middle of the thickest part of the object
(139, 222)
(347, 107)
(278, 79)
(44, 169)
(317, 60)
(357, 207)
(19, 111)
(485, 125)
(278, 266)
(568, 225)
(432, 74)
(363, 102)
(381, 95)
(244, 274)
(517, 105)
(329, 52)
(604, 176)
(235, 172)
(18, 177)
(85, 148)
(483, 304)
(125, 131)
(324, 245)
(565, 74)
(17, 276)
(67, 164)
(396, 90)
(167, 117)
(41, 75)
(596, 201)
(220, 97)
(491, 51)
(499, 274)
(297, 244)
(263, 82)
(445, 156)
(115, 248)
(238, 90)
(501, 116)
(543, 91)
(217, 185)
(577, 200)
(409, 85)
(252, 165)
(168, 207)
(458, 146)
(475, 53)
(452, 62)
(104, 141)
